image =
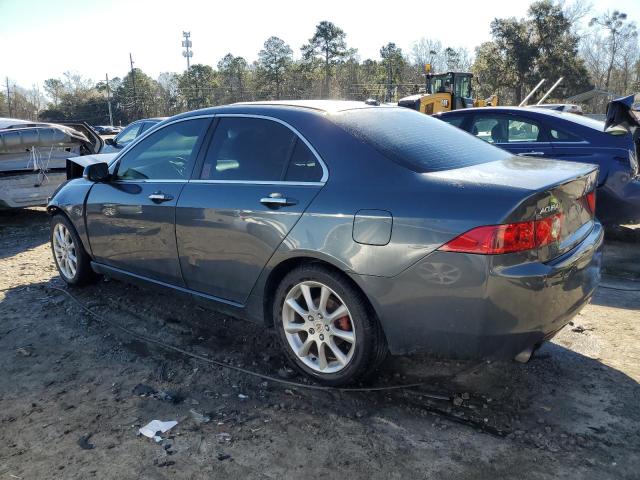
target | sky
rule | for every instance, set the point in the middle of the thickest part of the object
(44, 38)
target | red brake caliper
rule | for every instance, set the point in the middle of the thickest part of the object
(344, 323)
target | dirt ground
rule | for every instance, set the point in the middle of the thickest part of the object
(74, 391)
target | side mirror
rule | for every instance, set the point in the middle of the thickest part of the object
(110, 141)
(96, 172)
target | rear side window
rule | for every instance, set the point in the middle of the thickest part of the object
(248, 149)
(562, 136)
(416, 140)
(304, 166)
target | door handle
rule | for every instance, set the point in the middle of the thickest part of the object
(277, 200)
(531, 154)
(160, 197)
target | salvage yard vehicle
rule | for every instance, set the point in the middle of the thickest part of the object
(445, 92)
(546, 133)
(353, 229)
(129, 134)
(33, 156)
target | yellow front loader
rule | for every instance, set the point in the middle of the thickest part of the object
(445, 92)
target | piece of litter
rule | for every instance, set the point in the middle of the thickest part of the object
(152, 428)
(226, 456)
(223, 437)
(84, 444)
(143, 390)
(199, 417)
(242, 396)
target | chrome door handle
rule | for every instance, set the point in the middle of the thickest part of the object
(160, 197)
(531, 154)
(277, 200)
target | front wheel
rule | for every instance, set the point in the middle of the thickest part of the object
(74, 265)
(325, 327)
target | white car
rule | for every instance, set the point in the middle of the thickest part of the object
(33, 158)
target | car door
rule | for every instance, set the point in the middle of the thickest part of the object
(258, 177)
(131, 218)
(572, 146)
(517, 134)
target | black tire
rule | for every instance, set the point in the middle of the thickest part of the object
(84, 274)
(370, 347)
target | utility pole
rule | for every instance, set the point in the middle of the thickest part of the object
(133, 80)
(389, 79)
(109, 100)
(187, 53)
(186, 44)
(8, 97)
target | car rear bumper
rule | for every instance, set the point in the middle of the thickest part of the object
(476, 306)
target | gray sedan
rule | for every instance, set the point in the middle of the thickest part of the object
(352, 229)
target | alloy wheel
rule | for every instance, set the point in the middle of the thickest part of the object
(65, 251)
(318, 327)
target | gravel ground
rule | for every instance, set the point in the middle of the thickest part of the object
(74, 391)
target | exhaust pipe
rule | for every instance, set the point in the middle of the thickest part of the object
(525, 355)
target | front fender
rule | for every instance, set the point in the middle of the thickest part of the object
(70, 200)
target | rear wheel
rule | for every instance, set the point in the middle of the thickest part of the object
(74, 265)
(325, 327)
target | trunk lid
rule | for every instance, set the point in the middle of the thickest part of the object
(543, 191)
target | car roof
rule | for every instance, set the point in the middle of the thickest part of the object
(312, 106)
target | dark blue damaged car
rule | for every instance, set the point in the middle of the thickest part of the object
(353, 230)
(543, 133)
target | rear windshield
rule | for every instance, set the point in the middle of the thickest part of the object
(416, 140)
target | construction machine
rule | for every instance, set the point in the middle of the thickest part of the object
(445, 92)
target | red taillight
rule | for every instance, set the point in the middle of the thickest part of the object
(509, 238)
(591, 201)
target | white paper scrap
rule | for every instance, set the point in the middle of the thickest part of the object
(155, 426)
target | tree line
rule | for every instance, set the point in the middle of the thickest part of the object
(548, 43)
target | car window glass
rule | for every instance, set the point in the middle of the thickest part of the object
(415, 140)
(562, 136)
(128, 134)
(304, 166)
(145, 127)
(456, 121)
(167, 154)
(248, 149)
(503, 129)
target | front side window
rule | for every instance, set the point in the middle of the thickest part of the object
(167, 154)
(128, 134)
(248, 149)
(505, 129)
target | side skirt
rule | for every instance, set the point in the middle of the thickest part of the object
(227, 307)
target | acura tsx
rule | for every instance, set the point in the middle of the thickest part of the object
(352, 229)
